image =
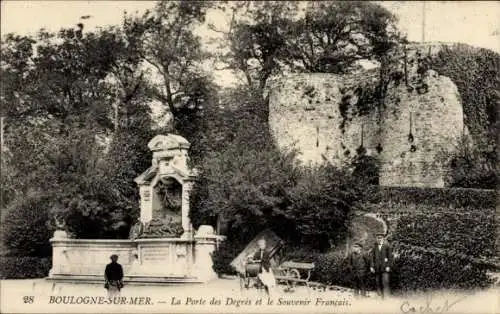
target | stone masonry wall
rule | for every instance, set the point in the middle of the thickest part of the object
(304, 114)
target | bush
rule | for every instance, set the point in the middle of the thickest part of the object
(471, 166)
(298, 254)
(332, 269)
(25, 231)
(223, 256)
(24, 267)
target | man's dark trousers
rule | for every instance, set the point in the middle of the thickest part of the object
(382, 282)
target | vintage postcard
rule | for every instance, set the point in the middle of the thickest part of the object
(249, 157)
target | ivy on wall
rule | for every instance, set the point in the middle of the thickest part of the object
(358, 100)
(476, 73)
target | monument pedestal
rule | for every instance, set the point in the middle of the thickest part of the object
(162, 260)
(165, 248)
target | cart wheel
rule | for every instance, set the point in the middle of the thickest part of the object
(293, 273)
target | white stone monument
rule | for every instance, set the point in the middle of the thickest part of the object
(163, 246)
(169, 168)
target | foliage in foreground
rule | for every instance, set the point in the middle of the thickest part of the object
(24, 228)
(24, 267)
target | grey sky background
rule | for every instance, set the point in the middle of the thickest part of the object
(475, 22)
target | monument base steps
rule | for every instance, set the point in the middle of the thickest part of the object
(128, 280)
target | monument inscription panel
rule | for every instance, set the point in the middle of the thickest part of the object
(155, 254)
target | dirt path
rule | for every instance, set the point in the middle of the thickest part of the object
(223, 296)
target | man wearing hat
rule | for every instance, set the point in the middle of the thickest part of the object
(113, 276)
(381, 263)
(357, 264)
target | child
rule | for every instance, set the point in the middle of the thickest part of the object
(357, 268)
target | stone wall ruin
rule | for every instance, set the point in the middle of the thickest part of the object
(409, 135)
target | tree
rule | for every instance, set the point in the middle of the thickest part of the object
(321, 204)
(170, 46)
(63, 113)
(247, 184)
(267, 38)
(333, 36)
(257, 39)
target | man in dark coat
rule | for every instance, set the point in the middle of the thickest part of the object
(358, 265)
(266, 276)
(381, 263)
(113, 276)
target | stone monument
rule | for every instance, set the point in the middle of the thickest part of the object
(165, 188)
(163, 247)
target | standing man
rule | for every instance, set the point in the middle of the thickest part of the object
(358, 265)
(113, 276)
(381, 263)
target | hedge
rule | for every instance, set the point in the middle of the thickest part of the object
(445, 197)
(420, 269)
(466, 233)
(414, 269)
(24, 267)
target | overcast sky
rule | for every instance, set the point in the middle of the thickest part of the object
(474, 23)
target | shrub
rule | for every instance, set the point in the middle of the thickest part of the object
(298, 254)
(439, 247)
(471, 166)
(12, 267)
(332, 269)
(25, 230)
(320, 204)
(223, 256)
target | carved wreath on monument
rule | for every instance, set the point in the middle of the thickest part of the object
(162, 228)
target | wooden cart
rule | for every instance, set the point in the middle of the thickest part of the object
(293, 273)
(250, 275)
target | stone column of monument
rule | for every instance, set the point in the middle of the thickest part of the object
(186, 222)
